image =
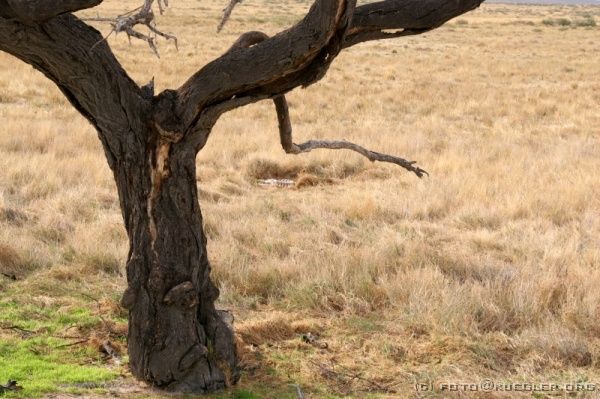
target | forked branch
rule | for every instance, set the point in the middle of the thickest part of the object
(292, 58)
(143, 15)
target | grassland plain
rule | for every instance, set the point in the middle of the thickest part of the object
(489, 268)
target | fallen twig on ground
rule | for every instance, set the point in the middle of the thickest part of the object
(11, 385)
(345, 376)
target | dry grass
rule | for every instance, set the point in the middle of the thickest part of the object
(487, 269)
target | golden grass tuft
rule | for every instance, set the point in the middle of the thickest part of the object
(273, 328)
(10, 261)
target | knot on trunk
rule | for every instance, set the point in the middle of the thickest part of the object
(166, 121)
(128, 299)
(183, 295)
(193, 355)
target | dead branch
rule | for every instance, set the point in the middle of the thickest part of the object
(142, 15)
(24, 333)
(83, 341)
(371, 155)
(227, 13)
(285, 133)
(345, 376)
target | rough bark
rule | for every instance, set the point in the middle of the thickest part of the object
(177, 339)
(35, 11)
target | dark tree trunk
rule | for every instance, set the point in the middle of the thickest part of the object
(177, 339)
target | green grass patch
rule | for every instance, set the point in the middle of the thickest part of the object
(33, 353)
(40, 368)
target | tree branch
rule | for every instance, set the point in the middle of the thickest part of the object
(73, 55)
(302, 54)
(227, 13)
(369, 22)
(410, 17)
(36, 11)
(285, 134)
(269, 63)
(142, 15)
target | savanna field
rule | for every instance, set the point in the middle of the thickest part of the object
(360, 280)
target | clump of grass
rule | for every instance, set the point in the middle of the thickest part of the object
(14, 264)
(586, 22)
(260, 168)
(557, 22)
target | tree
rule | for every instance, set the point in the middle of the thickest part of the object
(177, 339)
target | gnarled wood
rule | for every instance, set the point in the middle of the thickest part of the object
(36, 11)
(64, 49)
(285, 124)
(261, 65)
(411, 17)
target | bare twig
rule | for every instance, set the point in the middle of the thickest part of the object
(371, 155)
(299, 393)
(142, 15)
(83, 341)
(22, 331)
(345, 376)
(227, 13)
(67, 337)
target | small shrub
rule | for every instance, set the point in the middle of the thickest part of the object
(557, 22)
(587, 22)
